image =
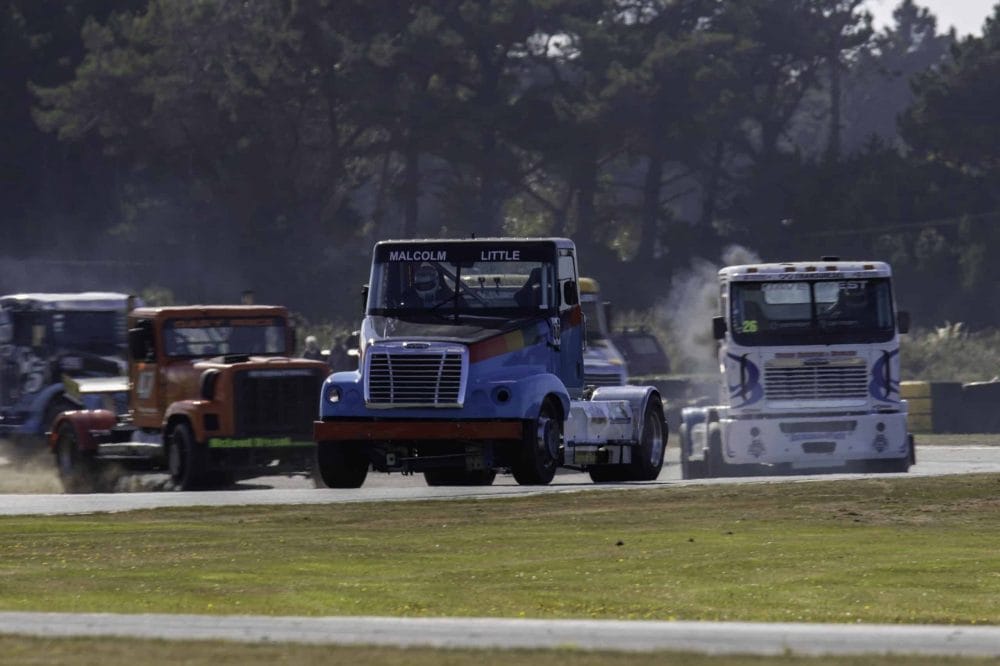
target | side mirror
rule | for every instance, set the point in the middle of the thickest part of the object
(609, 316)
(364, 298)
(903, 321)
(569, 295)
(718, 327)
(291, 342)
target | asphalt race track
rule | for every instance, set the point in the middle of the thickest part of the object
(932, 461)
(707, 637)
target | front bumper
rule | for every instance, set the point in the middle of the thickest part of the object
(415, 430)
(815, 441)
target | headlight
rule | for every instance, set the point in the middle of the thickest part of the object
(334, 394)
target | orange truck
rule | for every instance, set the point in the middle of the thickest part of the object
(214, 395)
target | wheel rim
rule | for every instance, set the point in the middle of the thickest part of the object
(654, 437)
(547, 437)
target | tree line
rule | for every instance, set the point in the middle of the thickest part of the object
(216, 146)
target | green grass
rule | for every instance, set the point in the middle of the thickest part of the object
(18, 651)
(875, 550)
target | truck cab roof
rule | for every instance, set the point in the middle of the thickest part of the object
(804, 270)
(560, 242)
(85, 300)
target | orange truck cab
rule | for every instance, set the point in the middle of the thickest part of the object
(214, 396)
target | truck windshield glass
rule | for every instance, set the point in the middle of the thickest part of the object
(212, 337)
(483, 282)
(812, 312)
(92, 331)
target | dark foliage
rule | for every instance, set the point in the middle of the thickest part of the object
(213, 147)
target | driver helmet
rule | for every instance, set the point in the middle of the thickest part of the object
(856, 298)
(426, 281)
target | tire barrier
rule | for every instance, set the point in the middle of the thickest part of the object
(951, 407)
(981, 407)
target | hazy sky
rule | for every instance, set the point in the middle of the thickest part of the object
(967, 16)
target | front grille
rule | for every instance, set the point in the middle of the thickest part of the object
(815, 382)
(428, 378)
(602, 379)
(276, 402)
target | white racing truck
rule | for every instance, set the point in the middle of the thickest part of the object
(809, 361)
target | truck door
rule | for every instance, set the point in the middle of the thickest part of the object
(571, 324)
(145, 395)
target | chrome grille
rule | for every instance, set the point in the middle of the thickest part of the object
(428, 378)
(816, 382)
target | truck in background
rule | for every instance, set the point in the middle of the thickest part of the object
(642, 351)
(471, 363)
(214, 396)
(60, 351)
(603, 364)
(809, 363)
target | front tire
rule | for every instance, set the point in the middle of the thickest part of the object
(78, 471)
(895, 465)
(340, 465)
(185, 459)
(537, 460)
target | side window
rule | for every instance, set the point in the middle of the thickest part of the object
(141, 344)
(568, 287)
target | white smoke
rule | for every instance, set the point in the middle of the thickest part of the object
(690, 305)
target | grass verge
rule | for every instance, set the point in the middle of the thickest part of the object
(874, 550)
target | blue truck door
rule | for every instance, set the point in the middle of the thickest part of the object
(571, 321)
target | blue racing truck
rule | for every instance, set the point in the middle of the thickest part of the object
(60, 351)
(471, 363)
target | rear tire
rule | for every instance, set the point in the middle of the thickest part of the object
(647, 458)
(536, 463)
(185, 459)
(459, 477)
(78, 471)
(340, 465)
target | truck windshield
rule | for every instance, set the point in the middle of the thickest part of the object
(192, 338)
(486, 280)
(91, 331)
(812, 312)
